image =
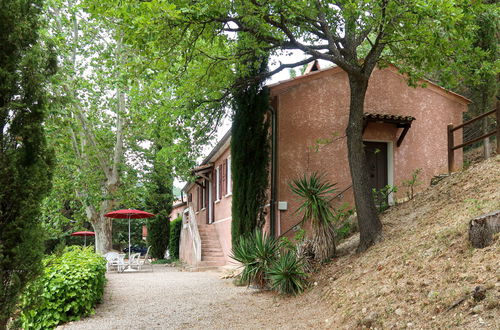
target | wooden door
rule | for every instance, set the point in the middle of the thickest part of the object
(376, 157)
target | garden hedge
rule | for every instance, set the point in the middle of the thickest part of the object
(71, 285)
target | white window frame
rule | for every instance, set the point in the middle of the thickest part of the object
(229, 181)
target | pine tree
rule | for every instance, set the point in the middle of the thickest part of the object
(25, 162)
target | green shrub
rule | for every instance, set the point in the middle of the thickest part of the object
(71, 284)
(412, 183)
(255, 252)
(286, 274)
(381, 197)
(175, 237)
(345, 226)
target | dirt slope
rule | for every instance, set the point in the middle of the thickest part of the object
(424, 265)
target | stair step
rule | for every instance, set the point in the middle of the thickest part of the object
(211, 263)
(212, 249)
(212, 254)
(210, 258)
(207, 229)
(210, 241)
(210, 246)
(208, 237)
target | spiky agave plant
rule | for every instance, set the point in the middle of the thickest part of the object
(287, 275)
(255, 252)
(313, 192)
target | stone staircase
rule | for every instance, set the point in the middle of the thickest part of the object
(211, 251)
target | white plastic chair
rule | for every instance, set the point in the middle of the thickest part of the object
(138, 263)
(114, 260)
(133, 261)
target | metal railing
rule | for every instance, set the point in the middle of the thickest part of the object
(451, 141)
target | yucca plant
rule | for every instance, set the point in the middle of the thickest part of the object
(286, 275)
(255, 252)
(314, 193)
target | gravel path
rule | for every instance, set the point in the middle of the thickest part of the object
(170, 299)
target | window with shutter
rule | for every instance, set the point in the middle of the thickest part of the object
(220, 181)
(229, 180)
(198, 198)
(203, 194)
(224, 172)
(217, 183)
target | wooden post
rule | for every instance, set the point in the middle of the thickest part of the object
(498, 127)
(451, 152)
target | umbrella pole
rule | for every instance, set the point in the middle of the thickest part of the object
(84, 240)
(129, 251)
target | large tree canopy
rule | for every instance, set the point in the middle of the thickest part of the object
(93, 129)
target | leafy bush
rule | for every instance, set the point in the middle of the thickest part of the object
(412, 183)
(286, 274)
(381, 197)
(255, 252)
(175, 237)
(71, 284)
(345, 226)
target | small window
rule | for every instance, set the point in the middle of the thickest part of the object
(198, 198)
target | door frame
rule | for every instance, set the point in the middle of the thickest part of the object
(390, 164)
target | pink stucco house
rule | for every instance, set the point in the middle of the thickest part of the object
(405, 129)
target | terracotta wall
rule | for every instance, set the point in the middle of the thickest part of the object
(317, 108)
(177, 210)
(222, 212)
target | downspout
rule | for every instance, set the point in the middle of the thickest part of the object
(272, 203)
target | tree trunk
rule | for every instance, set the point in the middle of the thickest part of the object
(103, 228)
(370, 227)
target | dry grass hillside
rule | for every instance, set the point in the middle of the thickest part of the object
(423, 266)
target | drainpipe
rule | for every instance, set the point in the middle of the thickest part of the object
(273, 172)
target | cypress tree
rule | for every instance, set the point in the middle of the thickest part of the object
(250, 150)
(159, 203)
(25, 162)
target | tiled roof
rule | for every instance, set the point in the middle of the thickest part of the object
(202, 167)
(387, 117)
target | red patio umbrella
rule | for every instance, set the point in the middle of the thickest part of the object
(84, 234)
(129, 214)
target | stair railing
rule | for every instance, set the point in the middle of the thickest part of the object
(451, 142)
(190, 222)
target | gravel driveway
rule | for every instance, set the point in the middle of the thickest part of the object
(170, 299)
